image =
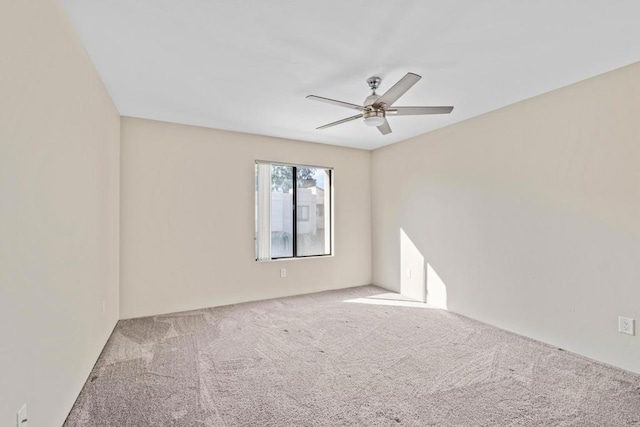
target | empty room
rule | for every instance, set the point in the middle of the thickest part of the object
(338, 213)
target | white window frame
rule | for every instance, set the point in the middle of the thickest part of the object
(263, 210)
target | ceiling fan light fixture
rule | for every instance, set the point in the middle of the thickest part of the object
(374, 118)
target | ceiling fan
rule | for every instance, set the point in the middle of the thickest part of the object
(376, 107)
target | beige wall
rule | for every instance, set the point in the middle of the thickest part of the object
(59, 195)
(188, 219)
(529, 215)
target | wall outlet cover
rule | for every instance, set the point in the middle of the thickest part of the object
(626, 325)
(283, 272)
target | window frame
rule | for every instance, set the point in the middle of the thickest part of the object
(328, 187)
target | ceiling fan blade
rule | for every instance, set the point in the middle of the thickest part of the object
(339, 122)
(384, 128)
(398, 89)
(413, 111)
(338, 103)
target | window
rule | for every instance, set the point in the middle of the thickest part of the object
(291, 202)
(303, 213)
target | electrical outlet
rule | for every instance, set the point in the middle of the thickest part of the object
(626, 325)
(283, 272)
(409, 273)
(22, 416)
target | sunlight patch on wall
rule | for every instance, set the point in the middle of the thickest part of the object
(412, 282)
(436, 289)
(417, 282)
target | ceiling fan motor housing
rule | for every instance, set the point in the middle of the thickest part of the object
(373, 117)
(371, 99)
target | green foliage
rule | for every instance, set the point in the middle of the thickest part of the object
(282, 178)
(306, 174)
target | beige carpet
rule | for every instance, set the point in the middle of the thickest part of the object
(315, 360)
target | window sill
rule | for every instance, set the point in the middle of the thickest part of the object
(296, 258)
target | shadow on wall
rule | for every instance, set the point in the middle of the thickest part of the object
(416, 281)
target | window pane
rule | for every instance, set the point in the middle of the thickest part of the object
(313, 234)
(281, 211)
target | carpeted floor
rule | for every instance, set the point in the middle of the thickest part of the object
(315, 360)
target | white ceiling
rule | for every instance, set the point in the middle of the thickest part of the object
(247, 65)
